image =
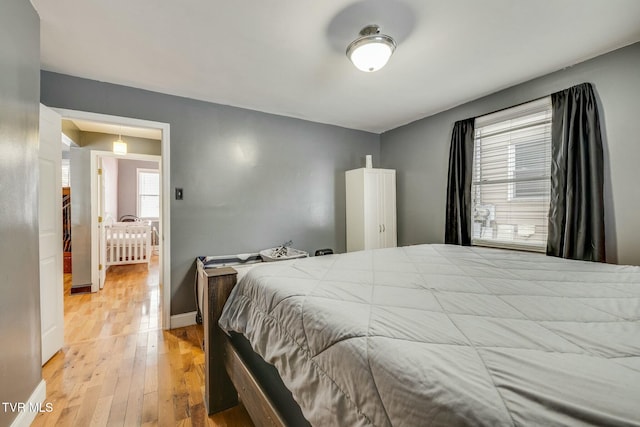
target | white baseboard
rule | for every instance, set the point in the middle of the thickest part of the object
(33, 406)
(183, 319)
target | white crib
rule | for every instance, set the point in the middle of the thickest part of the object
(126, 243)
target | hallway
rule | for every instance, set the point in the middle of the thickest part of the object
(119, 368)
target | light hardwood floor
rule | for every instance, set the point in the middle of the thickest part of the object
(119, 368)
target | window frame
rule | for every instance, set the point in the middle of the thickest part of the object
(140, 171)
(514, 119)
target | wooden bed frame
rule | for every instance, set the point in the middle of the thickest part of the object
(228, 378)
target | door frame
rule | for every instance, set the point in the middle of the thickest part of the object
(165, 223)
(97, 199)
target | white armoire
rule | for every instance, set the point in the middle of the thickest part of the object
(371, 208)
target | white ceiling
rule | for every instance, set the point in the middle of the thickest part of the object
(287, 56)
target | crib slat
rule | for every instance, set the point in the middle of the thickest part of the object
(119, 246)
(130, 241)
(139, 241)
(147, 246)
(136, 243)
(129, 245)
(112, 246)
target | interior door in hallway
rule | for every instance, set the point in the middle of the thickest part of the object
(102, 256)
(50, 233)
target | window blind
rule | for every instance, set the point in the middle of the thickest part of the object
(511, 177)
(66, 173)
(148, 193)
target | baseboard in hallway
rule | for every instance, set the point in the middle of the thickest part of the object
(80, 289)
(183, 319)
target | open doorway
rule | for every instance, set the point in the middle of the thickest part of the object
(128, 198)
(104, 130)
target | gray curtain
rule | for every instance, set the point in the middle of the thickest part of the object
(576, 212)
(458, 219)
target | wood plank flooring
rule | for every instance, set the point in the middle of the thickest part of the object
(119, 368)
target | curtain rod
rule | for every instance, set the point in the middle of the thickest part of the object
(525, 102)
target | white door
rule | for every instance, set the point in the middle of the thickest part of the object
(50, 220)
(102, 256)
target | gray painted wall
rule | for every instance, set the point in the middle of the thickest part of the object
(420, 151)
(251, 180)
(20, 358)
(81, 194)
(127, 184)
(80, 166)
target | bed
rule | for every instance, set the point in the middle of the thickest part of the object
(446, 336)
(126, 243)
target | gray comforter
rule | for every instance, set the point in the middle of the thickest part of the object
(448, 336)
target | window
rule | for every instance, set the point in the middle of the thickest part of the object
(511, 177)
(148, 193)
(527, 172)
(66, 172)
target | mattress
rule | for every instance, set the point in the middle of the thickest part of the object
(447, 336)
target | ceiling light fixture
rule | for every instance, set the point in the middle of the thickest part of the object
(119, 146)
(372, 50)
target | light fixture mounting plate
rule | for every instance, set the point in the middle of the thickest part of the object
(370, 30)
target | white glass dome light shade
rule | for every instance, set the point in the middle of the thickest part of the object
(119, 147)
(372, 51)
